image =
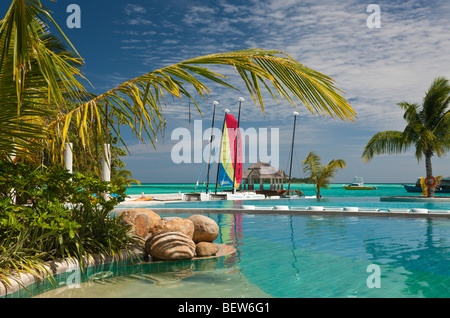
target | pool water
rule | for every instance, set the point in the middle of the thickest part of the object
(291, 256)
(303, 203)
(335, 196)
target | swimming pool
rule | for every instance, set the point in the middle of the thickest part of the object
(290, 256)
(304, 203)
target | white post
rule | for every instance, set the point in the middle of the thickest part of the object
(68, 157)
(106, 163)
(13, 191)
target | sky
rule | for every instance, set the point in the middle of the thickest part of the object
(376, 68)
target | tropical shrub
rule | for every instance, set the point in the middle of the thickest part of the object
(59, 215)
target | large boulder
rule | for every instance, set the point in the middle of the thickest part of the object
(205, 228)
(203, 249)
(170, 246)
(174, 224)
(141, 220)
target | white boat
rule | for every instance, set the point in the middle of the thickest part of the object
(202, 196)
(358, 184)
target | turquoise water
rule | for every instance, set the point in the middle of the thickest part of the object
(288, 256)
(293, 256)
(335, 196)
(300, 204)
(336, 190)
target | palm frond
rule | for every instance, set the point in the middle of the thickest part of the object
(385, 142)
(138, 101)
(41, 74)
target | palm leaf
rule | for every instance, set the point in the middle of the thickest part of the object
(385, 142)
(138, 101)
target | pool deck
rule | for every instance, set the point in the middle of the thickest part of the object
(416, 199)
(325, 212)
(157, 199)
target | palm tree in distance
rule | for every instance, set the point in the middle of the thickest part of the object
(318, 174)
(428, 129)
(35, 82)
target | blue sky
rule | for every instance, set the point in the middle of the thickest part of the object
(375, 67)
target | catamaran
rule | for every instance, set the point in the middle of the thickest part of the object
(229, 169)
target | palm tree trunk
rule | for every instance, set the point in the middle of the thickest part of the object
(429, 173)
(318, 186)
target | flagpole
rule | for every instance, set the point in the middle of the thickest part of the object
(220, 152)
(236, 143)
(292, 151)
(210, 144)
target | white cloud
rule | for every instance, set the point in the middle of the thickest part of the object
(376, 68)
(131, 9)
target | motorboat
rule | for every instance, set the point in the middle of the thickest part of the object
(358, 184)
(442, 187)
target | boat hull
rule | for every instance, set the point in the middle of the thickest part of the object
(221, 196)
(359, 188)
(410, 188)
(269, 193)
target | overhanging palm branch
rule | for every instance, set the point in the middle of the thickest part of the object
(137, 103)
(34, 78)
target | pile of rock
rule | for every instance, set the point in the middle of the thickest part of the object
(173, 238)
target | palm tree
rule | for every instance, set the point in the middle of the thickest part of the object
(428, 129)
(36, 81)
(318, 174)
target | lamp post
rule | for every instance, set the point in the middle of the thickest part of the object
(292, 151)
(236, 143)
(210, 144)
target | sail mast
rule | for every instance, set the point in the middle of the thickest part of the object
(292, 151)
(210, 144)
(236, 143)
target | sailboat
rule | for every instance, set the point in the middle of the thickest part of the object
(229, 169)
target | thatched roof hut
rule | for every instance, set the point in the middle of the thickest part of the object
(260, 171)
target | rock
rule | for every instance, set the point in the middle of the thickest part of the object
(170, 246)
(174, 224)
(206, 229)
(206, 249)
(141, 220)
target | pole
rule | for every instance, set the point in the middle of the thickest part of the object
(106, 163)
(236, 143)
(292, 151)
(220, 152)
(68, 157)
(210, 145)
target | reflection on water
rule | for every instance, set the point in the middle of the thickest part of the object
(290, 256)
(197, 278)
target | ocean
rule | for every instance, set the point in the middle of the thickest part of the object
(335, 190)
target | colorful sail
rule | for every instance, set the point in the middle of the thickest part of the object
(228, 168)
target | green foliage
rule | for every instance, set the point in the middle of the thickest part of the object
(56, 215)
(318, 174)
(427, 129)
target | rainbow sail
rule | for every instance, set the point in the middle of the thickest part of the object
(228, 169)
